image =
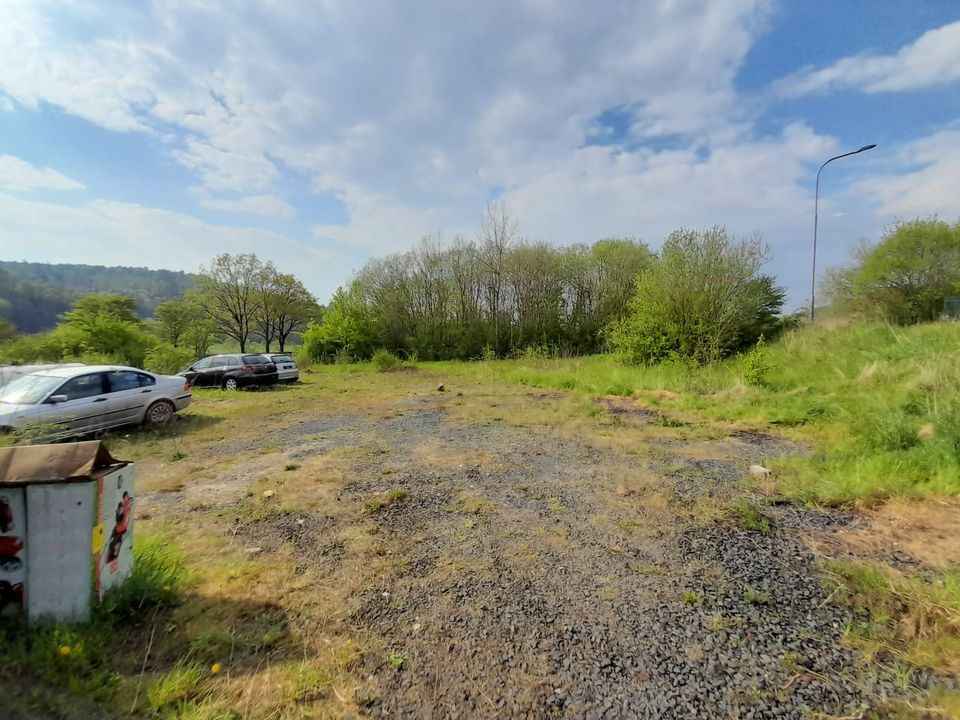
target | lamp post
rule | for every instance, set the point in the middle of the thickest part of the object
(816, 203)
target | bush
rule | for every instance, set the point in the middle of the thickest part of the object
(386, 361)
(303, 359)
(702, 300)
(166, 359)
(906, 277)
(756, 366)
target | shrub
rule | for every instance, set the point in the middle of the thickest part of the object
(702, 300)
(303, 359)
(166, 359)
(756, 365)
(386, 361)
(906, 277)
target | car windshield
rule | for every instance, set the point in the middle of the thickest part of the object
(28, 390)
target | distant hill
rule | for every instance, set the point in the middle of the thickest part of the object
(37, 293)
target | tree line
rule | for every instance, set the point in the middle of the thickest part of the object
(33, 296)
(702, 296)
(236, 298)
(495, 293)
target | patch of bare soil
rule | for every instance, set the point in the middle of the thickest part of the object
(902, 534)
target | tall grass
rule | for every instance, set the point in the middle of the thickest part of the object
(878, 405)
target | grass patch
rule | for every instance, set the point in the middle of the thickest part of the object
(748, 517)
(385, 361)
(397, 659)
(915, 617)
(390, 497)
(692, 597)
(667, 421)
(310, 683)
(880, 404)
(184, 683)
(756, 597)
(475, 504)
(158, 575)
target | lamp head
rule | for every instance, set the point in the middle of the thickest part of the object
(866, 147)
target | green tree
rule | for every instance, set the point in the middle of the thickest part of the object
(283, 307)
(700, 301)
(905, 277)
(229, 293)
(185, 324)
(348, 326)
(103, 326)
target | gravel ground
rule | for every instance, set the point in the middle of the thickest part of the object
(527, 586)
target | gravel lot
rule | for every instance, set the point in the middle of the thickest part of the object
(537, 575)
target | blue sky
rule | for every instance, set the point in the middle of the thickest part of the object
(159, 134)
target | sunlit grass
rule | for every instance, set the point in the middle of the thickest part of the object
(879, 406)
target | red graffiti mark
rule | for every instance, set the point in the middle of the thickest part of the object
(10, 545)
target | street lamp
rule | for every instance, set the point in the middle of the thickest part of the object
(816, 202)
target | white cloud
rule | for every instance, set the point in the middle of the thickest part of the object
(442, 100)
(380, 224)
(266, 205)
(17, 175)
(115, 233)
(225, 170)
(932, 60)
(926, 180)
(749, 185)
(413, 113)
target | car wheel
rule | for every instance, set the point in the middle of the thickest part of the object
(230, 384)
(159, 414)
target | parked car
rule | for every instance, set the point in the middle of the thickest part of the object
(231, 371)
(78, 400)
(12, 372)
(287, 370)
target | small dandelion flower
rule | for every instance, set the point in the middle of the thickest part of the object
(215, 668)
(65, 650)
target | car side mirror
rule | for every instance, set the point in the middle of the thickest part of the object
(55, 399)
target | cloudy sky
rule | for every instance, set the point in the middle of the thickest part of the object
(319, 133)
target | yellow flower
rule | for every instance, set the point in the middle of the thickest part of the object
(64, 650)
(166, 588)
(215, 668)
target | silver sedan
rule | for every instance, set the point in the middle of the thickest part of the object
(69, 401)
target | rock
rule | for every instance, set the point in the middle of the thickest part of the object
(254, 550)
(268, 493)
(760, 472)
(441, 388)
